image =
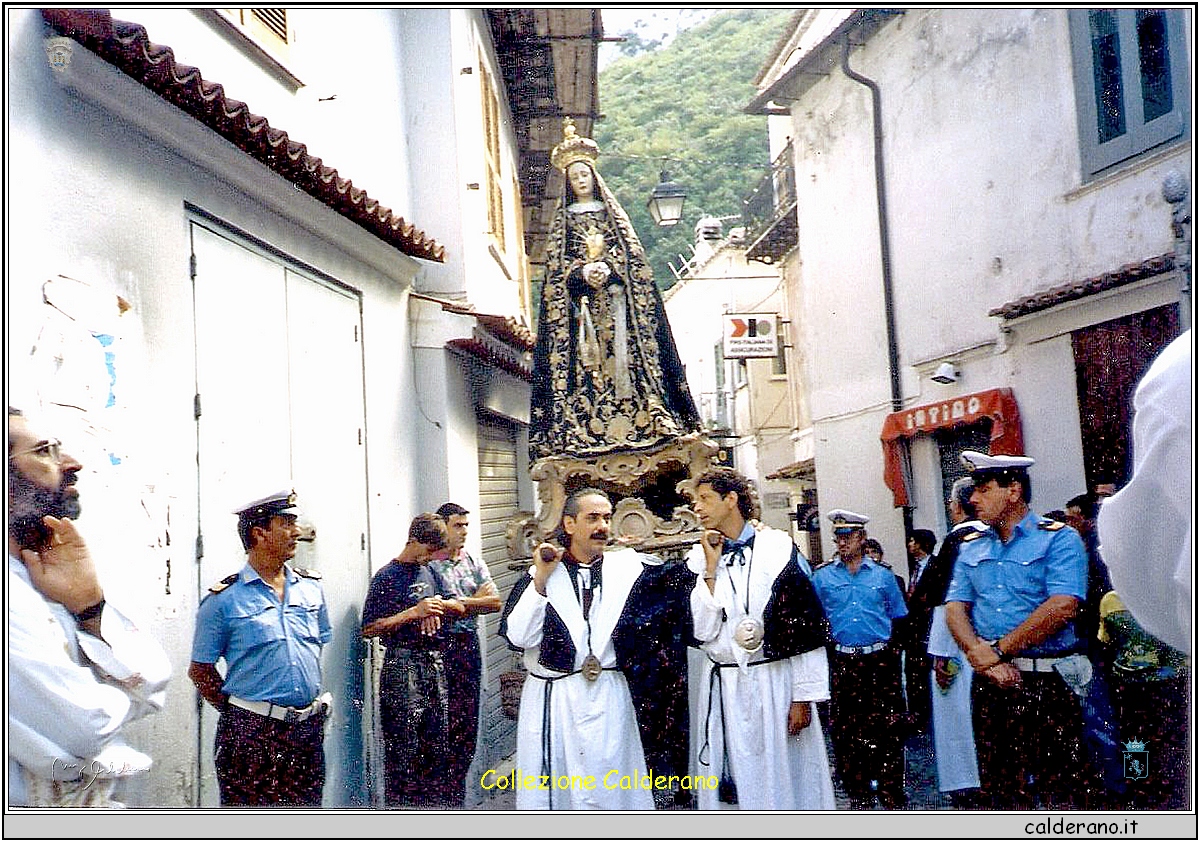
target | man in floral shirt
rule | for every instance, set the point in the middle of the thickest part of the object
(473, 586)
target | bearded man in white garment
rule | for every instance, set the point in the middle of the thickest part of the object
(763, 632)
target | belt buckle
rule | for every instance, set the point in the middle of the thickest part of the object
(292, 716)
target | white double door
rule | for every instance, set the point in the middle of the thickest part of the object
(279, 379)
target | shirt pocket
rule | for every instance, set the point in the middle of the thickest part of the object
(883, 586)
(837, 595)
(254, 626)
(304, 621)
(1026, 578)
(983, 572)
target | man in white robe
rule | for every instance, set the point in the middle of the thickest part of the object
(78, 669)
(1145, 529)
(578, 742)
(951, 675)
(763, 632)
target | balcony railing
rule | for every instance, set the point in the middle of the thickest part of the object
(770, 211)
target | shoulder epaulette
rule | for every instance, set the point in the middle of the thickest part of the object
(224, 583)
(306, 573)
(971, 535)
(824, 563)
(1051, 525)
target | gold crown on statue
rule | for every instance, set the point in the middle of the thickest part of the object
(573, 148)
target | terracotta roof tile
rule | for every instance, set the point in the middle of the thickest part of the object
(797, 470)
(1074, 290)
(495, 354)
(127, 46)
(508, 329)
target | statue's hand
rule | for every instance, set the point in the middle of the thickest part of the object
(596, 273)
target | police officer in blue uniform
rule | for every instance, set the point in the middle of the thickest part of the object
(1016, 588)
(268, 622)
(861, 600)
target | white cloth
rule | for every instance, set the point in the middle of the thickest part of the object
(593, 727)
(70, 694)
(773, 771)
(1145, 529)
(953, 733)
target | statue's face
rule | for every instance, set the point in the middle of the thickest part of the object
(583, 184)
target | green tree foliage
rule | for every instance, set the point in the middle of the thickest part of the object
(636, 45)
(683, 103)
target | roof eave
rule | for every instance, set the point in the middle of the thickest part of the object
(815, 62)
(127, 47)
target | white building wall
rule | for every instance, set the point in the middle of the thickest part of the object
(102, 192)
(985, 205)
(725, 283)
(758, 410)
(357, 72)
(444, 134)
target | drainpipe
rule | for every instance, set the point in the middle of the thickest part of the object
(885, 252)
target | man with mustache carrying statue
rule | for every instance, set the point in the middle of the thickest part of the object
(593, 623)
(78, 669)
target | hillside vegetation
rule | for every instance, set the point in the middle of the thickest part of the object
(683, 103)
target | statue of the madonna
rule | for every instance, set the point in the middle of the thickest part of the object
(606, 375)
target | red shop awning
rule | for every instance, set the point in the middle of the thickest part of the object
(997, 404)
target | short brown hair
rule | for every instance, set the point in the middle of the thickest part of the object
(724, 480)
(428, 529)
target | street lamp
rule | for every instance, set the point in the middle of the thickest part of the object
(666, 202)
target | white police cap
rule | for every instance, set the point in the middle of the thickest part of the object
(843, 519)
(974, 461)
(278, 502)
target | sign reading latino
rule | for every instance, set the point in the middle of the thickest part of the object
(751, 335)
(998, 405)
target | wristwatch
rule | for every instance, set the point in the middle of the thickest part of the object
(89, 612)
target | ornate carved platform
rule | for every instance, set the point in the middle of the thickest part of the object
(648, 488)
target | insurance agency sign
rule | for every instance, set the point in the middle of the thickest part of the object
(751, 335)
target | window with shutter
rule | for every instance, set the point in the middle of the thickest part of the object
(1131, 82)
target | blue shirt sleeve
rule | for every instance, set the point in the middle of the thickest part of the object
(893, 599)
(961, 589)
(1066, 565)
(323, 625)
(211, 637)
(818, 580)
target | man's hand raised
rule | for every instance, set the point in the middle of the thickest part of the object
(545, 558)
(63, 572)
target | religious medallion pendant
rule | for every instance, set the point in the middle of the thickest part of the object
(748, 633)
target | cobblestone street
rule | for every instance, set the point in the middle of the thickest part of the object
(920, 781)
